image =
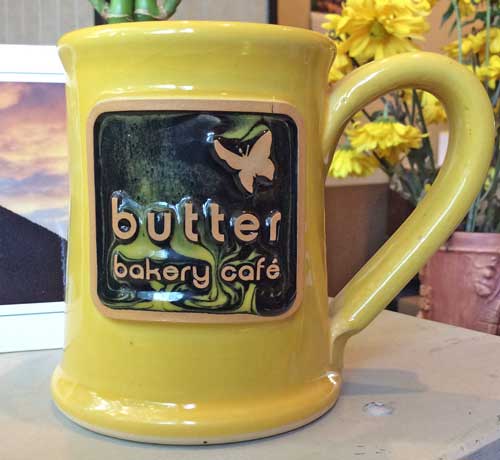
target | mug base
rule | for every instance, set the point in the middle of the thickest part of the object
(202, 424)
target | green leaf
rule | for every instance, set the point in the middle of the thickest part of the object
(167, 8)
(447, 14)
(145, 10)
(101, 6)
(114, 11)
(479, 16)
(120, 11)
(453, 27)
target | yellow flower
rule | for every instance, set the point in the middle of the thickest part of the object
(350, 162)
(432, 109)
(420, 5)
(467, 7)
(476, 44)
(481, 72)
(333, 21)
(493, 69)
(494, 39)
(388, 139)
(469, 45)
(379, 28)
(490, 72)
(342, 64)
(489, 178)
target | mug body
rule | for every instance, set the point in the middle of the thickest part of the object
(196, 289)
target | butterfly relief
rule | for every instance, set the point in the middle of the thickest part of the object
(252, 163)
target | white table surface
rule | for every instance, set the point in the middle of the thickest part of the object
(441, 383)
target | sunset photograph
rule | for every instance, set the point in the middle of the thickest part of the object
(33, 153)
(33, 192)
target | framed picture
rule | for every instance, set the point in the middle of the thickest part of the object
(33, 198)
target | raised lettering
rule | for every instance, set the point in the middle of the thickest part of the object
(190, 217)
(216, 218)
(136, 272)
(246, 273)
(119, 269)
(246, 227)
(165, 233)
(170, 272)
(228, 273)
(201, 281)
(273, 222)
(273, 271)
(119, 216)
(152, 271)
(184, 272)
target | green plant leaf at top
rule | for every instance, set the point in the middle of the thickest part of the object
(114, 11)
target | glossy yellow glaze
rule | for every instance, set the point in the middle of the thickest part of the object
(208, 382)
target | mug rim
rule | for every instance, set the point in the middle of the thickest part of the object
(220, 29)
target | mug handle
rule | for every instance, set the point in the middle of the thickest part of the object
(472, 131)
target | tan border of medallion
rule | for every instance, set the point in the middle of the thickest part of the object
(117, 105)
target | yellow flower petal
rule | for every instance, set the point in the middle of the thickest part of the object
(349, 162)
(381, 28)
(391, 140)
(342, 63)
(432, 109)
(475, 43)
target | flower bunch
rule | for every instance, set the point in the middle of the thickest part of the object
(374, 29)
(381, 143)
(394, 134)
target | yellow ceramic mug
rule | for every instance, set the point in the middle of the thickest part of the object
(197, 299)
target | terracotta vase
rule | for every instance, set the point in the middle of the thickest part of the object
(460, 285)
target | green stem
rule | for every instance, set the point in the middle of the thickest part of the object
(494, 182)
(149, 10)
(426, 141)
(388, 108)
(170, 7)
(489, 219)
(495, 96)
(135, 10)
(408, 179)
(398, 107)
(475, 62)
(355, 63)
(145, 10)
(385, 114)
(470, 224)
(101, 6)
(407, 110)
(367, 115)
(459, 29)
(385, 165)
(120, 11)
(413, 106)
(488, 27)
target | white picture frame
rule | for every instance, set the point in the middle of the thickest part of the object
(33, 326)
